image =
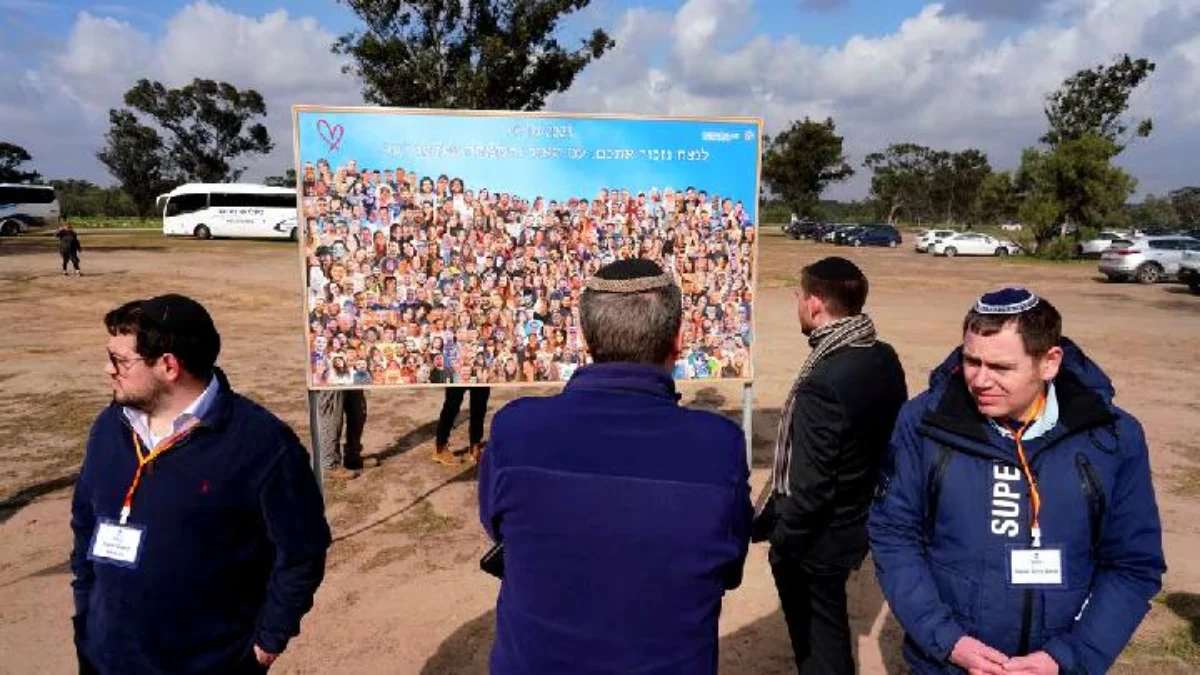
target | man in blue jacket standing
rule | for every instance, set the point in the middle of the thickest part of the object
(200, 533)
(624, 517)
(1016, 528)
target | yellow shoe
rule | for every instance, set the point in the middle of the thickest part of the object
(442, 455)
(475, 452)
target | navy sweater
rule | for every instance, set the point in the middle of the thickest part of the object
(625, 517)
(232, 554)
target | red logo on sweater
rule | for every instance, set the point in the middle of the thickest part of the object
(204, 486)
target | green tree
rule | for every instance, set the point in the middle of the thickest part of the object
(288, 179)
(1093, 102)
(1187, 205)
(83, 199)
(998, 199)
(1154, 211)
(900, 181)
(12, 156)
(802, 161)
(957, 182)
(925, 184)
(135, 155)
(1074, 183)
(481, 54)
(209, 126)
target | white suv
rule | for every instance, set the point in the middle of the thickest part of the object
(1146, 259)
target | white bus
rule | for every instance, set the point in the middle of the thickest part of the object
(27, 207)
(234, 210)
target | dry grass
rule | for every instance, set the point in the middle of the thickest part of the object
(1176, 648)
(1173, 652)
(44, 437)
(423, 521)
(388, 556)
(1187, 483)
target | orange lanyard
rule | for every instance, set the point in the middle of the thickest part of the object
(144, 459)
(1034, 496)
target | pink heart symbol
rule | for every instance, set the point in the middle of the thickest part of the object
(331, 134)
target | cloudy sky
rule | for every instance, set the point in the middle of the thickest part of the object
(957, 74)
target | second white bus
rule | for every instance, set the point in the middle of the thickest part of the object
(24, 208)
(230, 210)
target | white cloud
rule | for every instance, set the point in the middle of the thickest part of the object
(60, 110)
(943, 77)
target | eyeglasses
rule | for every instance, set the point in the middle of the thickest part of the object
(124, 364)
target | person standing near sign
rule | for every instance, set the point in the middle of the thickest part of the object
(831, 442)
(1017, 530)
(200, 532)
(624, 517)
(451, 405)
(337, 408)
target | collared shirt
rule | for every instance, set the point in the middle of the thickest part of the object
(196, 410)
(1042, 425)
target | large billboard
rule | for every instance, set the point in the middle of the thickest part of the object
(447, 248)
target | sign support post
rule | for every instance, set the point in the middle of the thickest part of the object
(748, 421)
(314, 428)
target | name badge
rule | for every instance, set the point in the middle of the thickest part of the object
(1036, 567)
(116, 544)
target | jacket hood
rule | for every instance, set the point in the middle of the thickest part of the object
(1074, 360)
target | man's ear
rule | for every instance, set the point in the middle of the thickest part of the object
(1050, 364)
(172, 368)
(677, 349)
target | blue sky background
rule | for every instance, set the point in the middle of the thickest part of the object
(729, 170)
(786, 17)
(951, 75)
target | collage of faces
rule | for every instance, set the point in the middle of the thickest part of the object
(430, 280)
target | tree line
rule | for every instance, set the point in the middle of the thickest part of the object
(505, 55)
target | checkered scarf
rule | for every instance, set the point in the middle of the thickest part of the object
(852, 331)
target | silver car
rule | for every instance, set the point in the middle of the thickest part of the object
(1146, 259)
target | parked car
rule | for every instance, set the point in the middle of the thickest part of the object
(830, 234)
(1189, 271)
(974, 243)
(925, 240)
(842, 237)
(1094, 247)
(876, 235)
(1146, 259)
(800, 229)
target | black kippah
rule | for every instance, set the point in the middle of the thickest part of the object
(629, 276)
(834, 268)
(624, 270)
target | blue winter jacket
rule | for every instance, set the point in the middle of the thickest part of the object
(952, 502)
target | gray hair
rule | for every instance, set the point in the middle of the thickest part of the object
(631, 327)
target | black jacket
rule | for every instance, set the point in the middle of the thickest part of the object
(841, 423)
(68, 242)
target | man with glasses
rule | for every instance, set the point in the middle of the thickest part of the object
(200, 533)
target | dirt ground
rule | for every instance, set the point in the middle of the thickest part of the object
(403, 592)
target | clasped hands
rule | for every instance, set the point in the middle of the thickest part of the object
(979, 659)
